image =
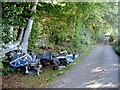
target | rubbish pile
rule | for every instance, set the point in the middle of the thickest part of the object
(33, 62)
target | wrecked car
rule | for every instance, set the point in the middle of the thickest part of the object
(23, 61)
(47, 59)
(56, 60)
(64, 55)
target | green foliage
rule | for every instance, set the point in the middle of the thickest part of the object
(68, 25)
(116, 46)
(6, 70)
(72, 25)
(6, 35)
(15, 14)
(1, 65)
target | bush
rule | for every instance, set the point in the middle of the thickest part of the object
(6, 70)
(116, 46)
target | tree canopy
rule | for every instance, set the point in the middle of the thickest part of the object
(65, 25)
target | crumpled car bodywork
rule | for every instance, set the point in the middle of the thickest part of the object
(18, 61)
(69, 57)
(21, 61)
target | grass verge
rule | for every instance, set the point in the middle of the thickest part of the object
(1, 68)
(1, 64)
(49, 75)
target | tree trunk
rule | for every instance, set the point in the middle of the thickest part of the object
(24, 44)
(20, 35)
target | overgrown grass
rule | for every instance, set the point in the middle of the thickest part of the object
(1, 64)
(49, 75)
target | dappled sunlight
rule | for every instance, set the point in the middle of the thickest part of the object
(105, 69)
(109, 85)
(102, 85)
(116, 65)
(98, 69)
(95, 85)
(99, 83)
(93, 81)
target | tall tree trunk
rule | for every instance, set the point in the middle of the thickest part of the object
(20, 35)
(24, 44)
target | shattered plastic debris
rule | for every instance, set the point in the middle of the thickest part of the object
(62, 67)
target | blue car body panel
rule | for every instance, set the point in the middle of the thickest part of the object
(19, 61)
(69, 59)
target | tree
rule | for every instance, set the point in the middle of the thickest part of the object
(72, 25)
(17, 16)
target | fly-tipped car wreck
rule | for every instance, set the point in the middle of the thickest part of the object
(25, 62)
